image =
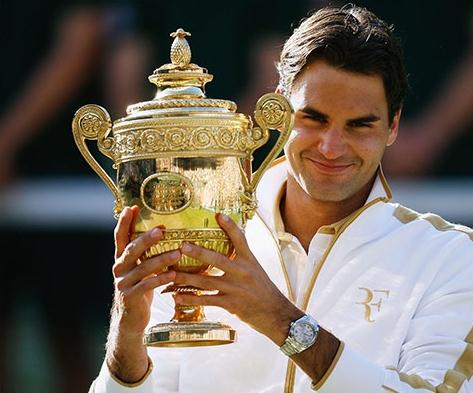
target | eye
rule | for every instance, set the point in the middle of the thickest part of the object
(318, 119)
(360, 124)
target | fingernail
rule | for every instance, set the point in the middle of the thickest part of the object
(156, 233)
(186, 247)
(224, 217)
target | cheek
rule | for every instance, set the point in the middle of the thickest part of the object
(298, 140)
(292, 154)
(289, 146)
(370, 149)
(293, 136)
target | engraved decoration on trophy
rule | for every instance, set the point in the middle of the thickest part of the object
(181, 158)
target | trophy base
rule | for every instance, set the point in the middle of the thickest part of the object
(189, 334)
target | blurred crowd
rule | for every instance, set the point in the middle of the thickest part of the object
(70, 53)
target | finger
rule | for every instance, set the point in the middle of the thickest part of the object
(202, 300)
(235, 234)
(210, 257)
(152, 266)
(135, 249)
(210, 283)
(151, 283)
(136, 213)
(122, 231)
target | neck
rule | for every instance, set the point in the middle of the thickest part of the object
(303, 215)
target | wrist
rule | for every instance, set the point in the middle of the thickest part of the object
(127, 377)
(126, 356)
(128, 330)
(129, 335)
(282, 322)
(127, 362)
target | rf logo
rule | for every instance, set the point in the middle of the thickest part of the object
(373, 302)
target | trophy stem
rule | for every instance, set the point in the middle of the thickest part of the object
(187, 313)
(188, 327)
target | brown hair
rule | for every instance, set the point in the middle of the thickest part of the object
(350, 38)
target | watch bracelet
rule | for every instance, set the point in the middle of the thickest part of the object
(291, 347)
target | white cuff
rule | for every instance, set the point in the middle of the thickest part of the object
(108, 383)
(352, 373)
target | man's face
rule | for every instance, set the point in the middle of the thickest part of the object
(341, 130)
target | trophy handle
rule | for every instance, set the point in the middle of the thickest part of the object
(94, 123)
(273, 111)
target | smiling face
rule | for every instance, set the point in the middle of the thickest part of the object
(340, 133)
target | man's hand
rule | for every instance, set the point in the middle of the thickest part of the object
(135, 281)
(244, 289)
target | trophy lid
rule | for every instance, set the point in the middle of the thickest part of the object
(181, 84)
(180, 121)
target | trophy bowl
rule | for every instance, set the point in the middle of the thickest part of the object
(181, 158)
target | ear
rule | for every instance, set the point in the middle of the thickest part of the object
(278, 90)
(393, 130)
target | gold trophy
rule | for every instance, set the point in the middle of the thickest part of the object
(182, 157)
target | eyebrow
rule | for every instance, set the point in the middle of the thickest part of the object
(365, 119)
(314, 113)
(320, 115)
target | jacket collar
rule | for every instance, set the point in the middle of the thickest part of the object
(272, 187)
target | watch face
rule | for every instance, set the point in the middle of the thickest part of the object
(304, 333)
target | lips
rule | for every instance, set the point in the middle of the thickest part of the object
(329, 167)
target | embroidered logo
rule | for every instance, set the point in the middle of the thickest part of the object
(373, 302)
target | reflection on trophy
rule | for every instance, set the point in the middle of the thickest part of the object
(182, 157)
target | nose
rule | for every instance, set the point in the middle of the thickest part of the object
(332, 144)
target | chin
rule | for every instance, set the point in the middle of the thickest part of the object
(326, 195)
(329, 197)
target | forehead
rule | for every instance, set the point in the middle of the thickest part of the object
(335, 91)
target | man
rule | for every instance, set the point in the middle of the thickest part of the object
(334, 288)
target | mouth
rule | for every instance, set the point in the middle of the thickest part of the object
(330, 168)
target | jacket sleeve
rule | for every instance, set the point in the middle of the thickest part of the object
(437, 353)
(163, 372)
(107, 383)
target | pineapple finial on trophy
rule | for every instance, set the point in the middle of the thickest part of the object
(180, 49)
(180, 72)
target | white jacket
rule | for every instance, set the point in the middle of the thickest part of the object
(394, 286)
